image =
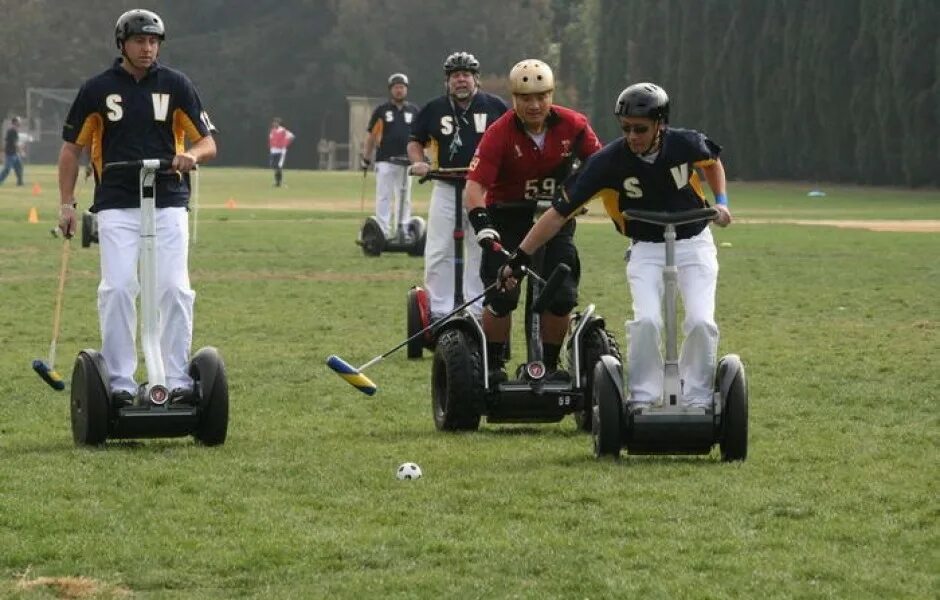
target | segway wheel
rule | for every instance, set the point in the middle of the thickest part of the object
(371, 238)
(89, 402)
(418, 319)
(596, 342)
(88, 224)
(456, 382)
(211, 383)
(419, 235)
(734, 419)
(607, 408)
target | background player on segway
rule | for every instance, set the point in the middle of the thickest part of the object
(279, 139)
(138, 107)
(389, 129)
(653, 167)
(450, 127)
(527, 153)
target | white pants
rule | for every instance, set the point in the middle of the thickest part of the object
(697, 262)
(439, 254)
(388, 183)
(119, 241)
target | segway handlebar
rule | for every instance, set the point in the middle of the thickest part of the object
(671, 218)
(157, 164)
(453, 174)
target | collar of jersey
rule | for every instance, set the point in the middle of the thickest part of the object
(551, 119)
(118, 68)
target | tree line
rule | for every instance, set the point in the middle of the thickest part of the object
(825, 90)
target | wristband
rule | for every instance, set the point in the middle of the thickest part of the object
(721, 199)
(480, 219)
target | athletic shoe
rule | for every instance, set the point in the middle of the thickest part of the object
(182, 395)
(497, 376)
(559, 375)
(121, 399)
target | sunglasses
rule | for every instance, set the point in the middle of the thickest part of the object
(638, 129)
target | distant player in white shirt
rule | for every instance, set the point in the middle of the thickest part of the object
(279, 138)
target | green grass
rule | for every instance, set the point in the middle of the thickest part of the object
(838, 498)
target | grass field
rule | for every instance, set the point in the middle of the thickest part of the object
(839, 329)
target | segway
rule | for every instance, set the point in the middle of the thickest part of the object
(418, 303)
(463, 391)
(204, 415)
(407, 237)
(667, 427)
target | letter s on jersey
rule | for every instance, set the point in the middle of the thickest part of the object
(115, 110)
(631, 187)
(447, 125)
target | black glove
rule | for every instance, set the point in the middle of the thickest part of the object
(514, 268)
(487, 236)
(364, 163)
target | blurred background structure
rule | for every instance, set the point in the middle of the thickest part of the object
(820, 90)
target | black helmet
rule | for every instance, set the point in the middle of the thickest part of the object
(395, 78)
(643, 100)
(461, 61)
(137, 22)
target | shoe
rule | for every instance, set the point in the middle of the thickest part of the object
(121, 399)
(705, 405)
(634, 407)
(182, 395)
(497, 376)
(559, 375)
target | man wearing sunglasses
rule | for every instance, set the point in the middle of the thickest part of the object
(653, 167)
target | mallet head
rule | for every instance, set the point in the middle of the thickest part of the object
(351, 374)
(48, 375)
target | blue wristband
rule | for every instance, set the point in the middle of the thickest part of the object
(721, 199)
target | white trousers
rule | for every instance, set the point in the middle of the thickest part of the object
(697, 262)
(119, 241)
(439, 254)
(388, 183)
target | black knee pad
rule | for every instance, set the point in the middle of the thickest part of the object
(502, 303)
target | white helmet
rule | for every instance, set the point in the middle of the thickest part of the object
(531, 76)
(397, 78)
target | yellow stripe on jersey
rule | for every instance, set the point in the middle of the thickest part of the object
(183, 127)
(696, 182)
(377, 130)
(611, 199)
(431, 149)
(90, 137)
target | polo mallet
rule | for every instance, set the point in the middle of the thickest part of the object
(46, 370)
(194, 203)
(362, 192)
(354, 376)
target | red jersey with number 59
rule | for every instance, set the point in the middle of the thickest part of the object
(513, 166)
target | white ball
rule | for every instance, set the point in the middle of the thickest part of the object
(408, 470)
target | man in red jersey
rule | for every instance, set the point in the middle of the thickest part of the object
(526, 154)
(279, 138)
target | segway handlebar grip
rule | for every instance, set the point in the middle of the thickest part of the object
(551, 286)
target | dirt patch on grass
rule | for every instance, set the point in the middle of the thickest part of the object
(925, 226)
(74, 587)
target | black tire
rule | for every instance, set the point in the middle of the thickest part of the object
(211, 383)
(419, 233)
(607, 411)
(734, 419)
(371, 238)
(414, 324)
(89, 403)
(88, 223)
(457, 382)
(596, 342)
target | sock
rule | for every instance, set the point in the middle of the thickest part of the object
(494, 353)
(550, 353)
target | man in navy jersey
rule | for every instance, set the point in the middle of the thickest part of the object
(138, 109)
(652, 167)
(526, 154)
(449, 128)
(389, 129)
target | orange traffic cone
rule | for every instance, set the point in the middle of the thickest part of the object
(33, 215)
(230, 203)
(36, 189)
